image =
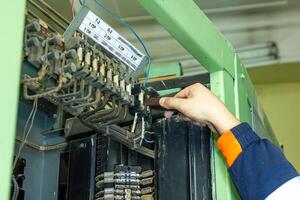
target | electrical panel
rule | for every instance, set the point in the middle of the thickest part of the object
(88, 133)
(85, 80)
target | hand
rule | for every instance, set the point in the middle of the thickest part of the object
(200, 105)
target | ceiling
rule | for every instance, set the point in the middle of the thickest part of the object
(243, 22)
(131, 10)
(230, 5)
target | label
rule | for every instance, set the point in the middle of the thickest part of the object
(94, 27)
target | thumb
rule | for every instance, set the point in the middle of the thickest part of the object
(171, 103)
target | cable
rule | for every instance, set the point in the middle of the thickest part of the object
(83, 2)
(124, 23)
(143, 131)
(73, 9)
(24, 131)
(150, 132)
(16, 189)
(134, 122)
(147, 74)
(30, 119)
(148, 141)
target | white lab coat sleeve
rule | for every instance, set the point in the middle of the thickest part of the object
(288, 191)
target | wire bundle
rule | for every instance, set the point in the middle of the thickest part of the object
(26, 132)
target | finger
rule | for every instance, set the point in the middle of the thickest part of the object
(186, 92)
(182, 94)
(171, 102)
(199, 123)
(168, 114)
(184, 118)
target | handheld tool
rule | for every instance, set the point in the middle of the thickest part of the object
(153, 102)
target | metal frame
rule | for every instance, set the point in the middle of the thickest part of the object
(12, 22)
(228, 77)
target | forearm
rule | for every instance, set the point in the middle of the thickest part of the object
(257, 167)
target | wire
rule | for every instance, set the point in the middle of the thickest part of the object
(150, 132)
(143, 131)
(124, 23)
(148, 141)
(83, 2)
(31, 120)
(134, 123)
(73, 8)
(16, 189)
(147, 74)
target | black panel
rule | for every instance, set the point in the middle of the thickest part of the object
(199, 163)
(18, 173)
(183, 161)
(90, 157)
(81, 169)
(63, 176)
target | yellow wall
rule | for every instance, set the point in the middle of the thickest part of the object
(281, 102)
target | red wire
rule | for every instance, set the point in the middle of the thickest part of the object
(73, 10)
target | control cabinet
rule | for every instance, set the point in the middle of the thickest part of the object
(83, 129)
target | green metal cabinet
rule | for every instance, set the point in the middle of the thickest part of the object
(11, 40)
(229, 78)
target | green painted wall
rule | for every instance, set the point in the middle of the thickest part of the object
(279, 93)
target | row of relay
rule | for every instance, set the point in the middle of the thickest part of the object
(81, 66)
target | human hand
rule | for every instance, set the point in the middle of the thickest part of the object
(198, 104)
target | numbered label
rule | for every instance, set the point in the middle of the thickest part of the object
(111, 40)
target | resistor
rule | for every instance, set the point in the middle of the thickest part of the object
(109, 74)
(141, 97)
(80, 54)
(102, 70)
(122, 84)
(87, 58)
(95, 64)
(128, 89)
(116, 79)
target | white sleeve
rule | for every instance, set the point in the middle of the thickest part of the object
(288, 191)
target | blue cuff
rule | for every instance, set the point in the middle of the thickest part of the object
(245, 135)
